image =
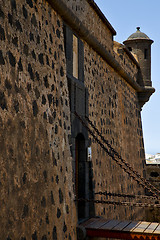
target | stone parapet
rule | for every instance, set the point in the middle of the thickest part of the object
(84, 32)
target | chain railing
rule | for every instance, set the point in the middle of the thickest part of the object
(121, 159)
(118, 159)
(120, 203)
(130, 196)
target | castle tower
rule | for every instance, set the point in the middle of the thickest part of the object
(140, 45)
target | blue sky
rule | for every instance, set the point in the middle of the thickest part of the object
(125, 16)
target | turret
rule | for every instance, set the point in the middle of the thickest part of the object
(139, 44)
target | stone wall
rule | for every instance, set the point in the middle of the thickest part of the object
(35, 175)
(83, 10)
(126, 60)
(152, 173)
(114, 109)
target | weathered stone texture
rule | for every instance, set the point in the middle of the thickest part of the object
(83, 10)
(123, 58)
(114, 109)
(36, 174)
(35, 181)
(152, 173)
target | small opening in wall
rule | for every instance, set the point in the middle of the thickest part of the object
(154, 174)
(80, 174)
(145, 53)
(130, 49)
(75, 56)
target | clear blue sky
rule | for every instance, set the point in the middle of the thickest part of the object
(125, 16)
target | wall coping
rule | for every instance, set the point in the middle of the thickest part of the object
(101, 15)
(73, 21)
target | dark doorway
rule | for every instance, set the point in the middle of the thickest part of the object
(80, 173)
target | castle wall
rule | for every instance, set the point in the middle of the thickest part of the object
(91, 20)
(114, 109)
(36, 175)
(153, 175)
(126, 60)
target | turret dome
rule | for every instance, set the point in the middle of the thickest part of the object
(138, 35)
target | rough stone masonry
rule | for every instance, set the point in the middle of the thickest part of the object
(43, 146)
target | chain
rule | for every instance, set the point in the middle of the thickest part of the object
(130, 204)
(120, 163)
(125, 195)
(126, 164)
